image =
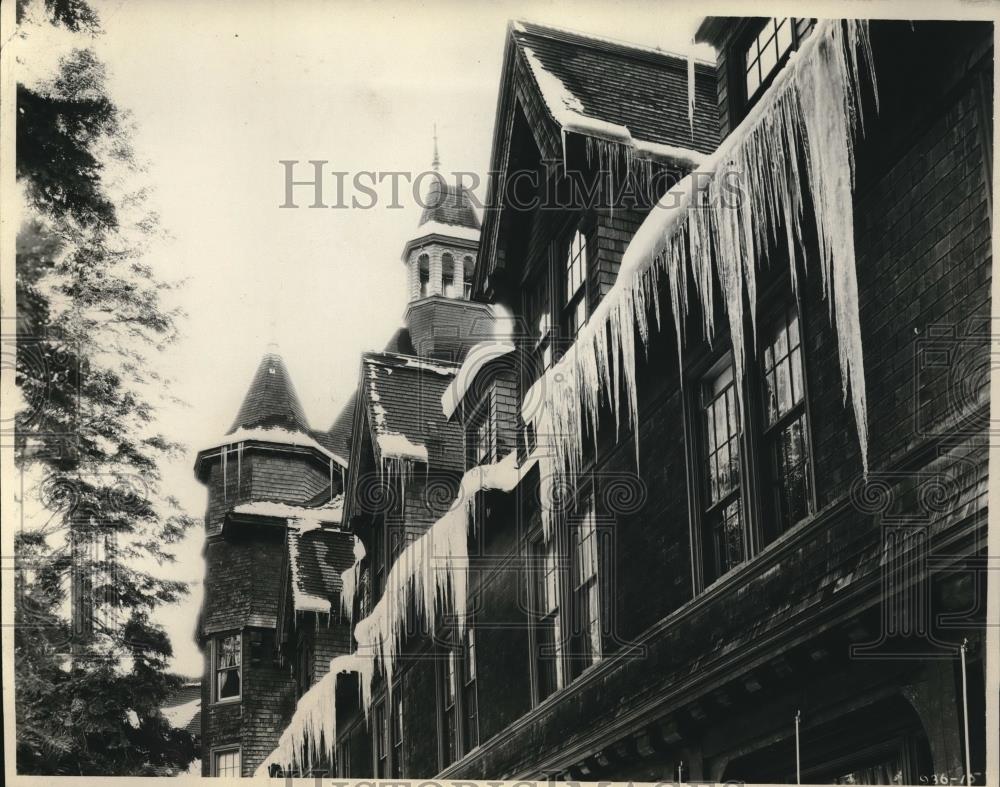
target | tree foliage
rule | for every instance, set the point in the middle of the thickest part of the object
(91, 667)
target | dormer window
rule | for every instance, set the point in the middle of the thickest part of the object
(769, 50)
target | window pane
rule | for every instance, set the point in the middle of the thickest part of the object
(227, 763)
(784, 36)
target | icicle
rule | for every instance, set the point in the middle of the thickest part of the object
(431, 572)
(813, 106)
(311, 735)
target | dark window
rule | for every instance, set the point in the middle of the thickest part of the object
(381, 741)
(470, 699)
(467, 266)
(397, 731)
(786, 428)
(575, 285)
(768, 51)
(546, 641)
(538, 315)
(449, 707)
(305, 666)
(448, 287)
(344, 759)
(458, 702)
(228, 671)
(723, 541)
(586, 601)
(424, 272)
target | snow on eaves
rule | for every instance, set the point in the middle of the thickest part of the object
(277, 436)
(330, 513)
(180, 716)
(799, 136)
(311, 734)
(569, 113)
(477, 357)
(395, 445)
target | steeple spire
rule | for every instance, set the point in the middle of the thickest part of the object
(271, 400)
(436, 163)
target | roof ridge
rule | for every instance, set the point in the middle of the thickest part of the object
(627, 48)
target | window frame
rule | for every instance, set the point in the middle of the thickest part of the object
(216, 684)
(592, 587)
(772, 526)
(541, 551)
(452, 662)
(750, 38)
(571, 302)
(381, 743)
(217, 751)
(756, 483)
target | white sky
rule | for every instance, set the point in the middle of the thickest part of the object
(220, 92)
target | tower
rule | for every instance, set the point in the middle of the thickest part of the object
(439, 260)
(274, 495)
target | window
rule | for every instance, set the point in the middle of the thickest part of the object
(344, 759)
(723, 541)
(586, 589)
(786, 429)
(538, 314)
(228, 672)
(458, 700)
(575, 301)
(381, 742)
(547, 628)
(467, 265)
(397, 732)
(767, 52)
(448, 276)
(470, 699)
(755, 478)
(424, 274)
(226, 762)
(449, 715)
(481, 435)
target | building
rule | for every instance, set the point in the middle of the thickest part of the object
(686, 479)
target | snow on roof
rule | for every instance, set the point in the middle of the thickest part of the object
(393, 445)
(302, 601)
(181, 715)
(328, 513)
(568, 111)
(451, 230)
(480, 355)
(429, 366)
(277, 436)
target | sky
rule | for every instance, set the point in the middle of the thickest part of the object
(221, 92)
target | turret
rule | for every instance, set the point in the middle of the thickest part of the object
(439, 261)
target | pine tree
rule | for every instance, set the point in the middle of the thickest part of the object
(91, 667)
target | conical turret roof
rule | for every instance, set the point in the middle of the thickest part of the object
(271, 400)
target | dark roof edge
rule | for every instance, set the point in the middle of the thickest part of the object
(623, 48)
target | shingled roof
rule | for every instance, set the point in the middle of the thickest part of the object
(447, 204)
(271, 399)
(644, 90)
(403, 396)
(318, 556)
